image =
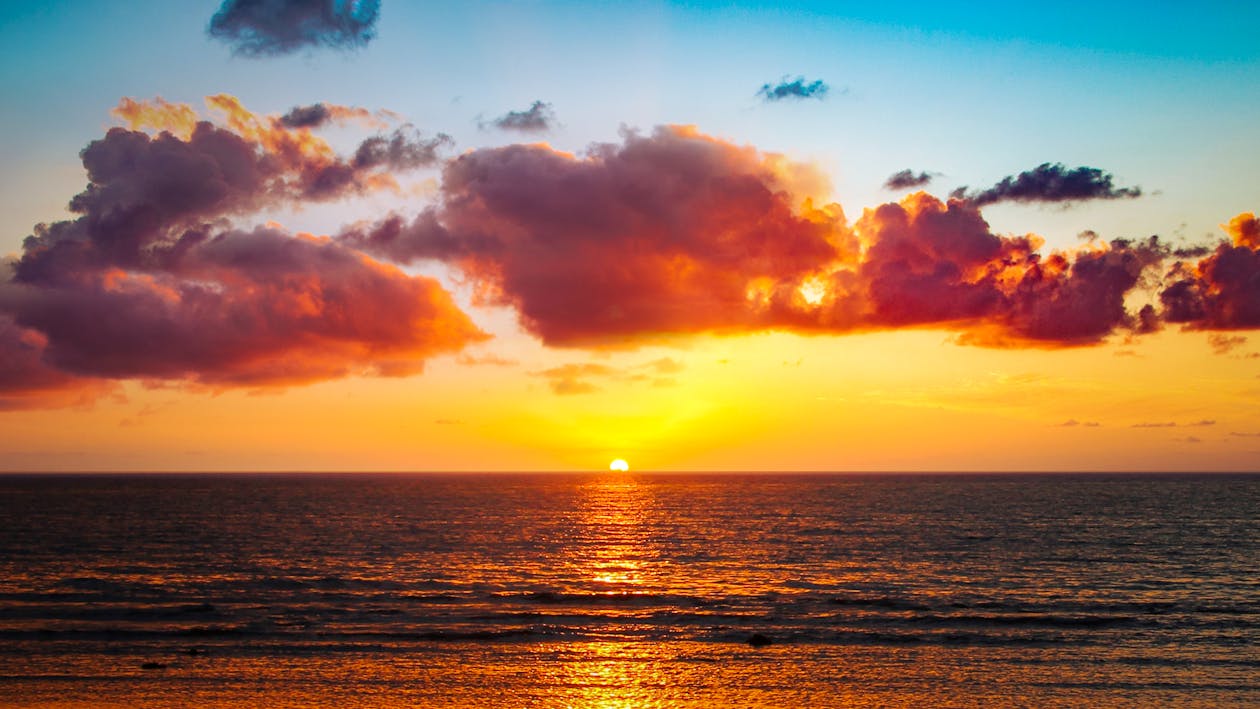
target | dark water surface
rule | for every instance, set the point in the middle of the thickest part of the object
(630, 590)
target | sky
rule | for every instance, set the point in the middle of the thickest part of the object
(536, 236)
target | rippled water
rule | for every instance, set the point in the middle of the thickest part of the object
(630, 590)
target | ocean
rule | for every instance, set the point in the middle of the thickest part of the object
(630, 590)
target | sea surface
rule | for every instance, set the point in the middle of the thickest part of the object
(629, 590)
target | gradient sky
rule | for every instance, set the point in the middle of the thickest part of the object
(668, 296)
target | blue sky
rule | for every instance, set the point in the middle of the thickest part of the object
(1163, 97)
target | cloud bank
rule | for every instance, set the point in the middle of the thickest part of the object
(165, 273)
(677, 233)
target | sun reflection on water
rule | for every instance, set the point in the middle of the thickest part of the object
(616, 553)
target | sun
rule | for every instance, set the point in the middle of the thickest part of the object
(619, 465)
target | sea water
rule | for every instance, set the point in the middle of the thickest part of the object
(630, 590)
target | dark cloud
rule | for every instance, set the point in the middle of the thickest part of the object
(1051, 183)
(796, 89)
(312, 116)
(908, 179)
(1222, 291)
(260, 28)
(150, 281)
(538, 118)
(404, 149)
(27, 380)
(676, 233)
(1072, 423)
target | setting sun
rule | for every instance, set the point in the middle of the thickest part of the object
(619, 465)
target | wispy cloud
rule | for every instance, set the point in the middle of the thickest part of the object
(580, 378)
(793, 89)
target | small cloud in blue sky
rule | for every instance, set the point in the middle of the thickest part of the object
(795, 89)
(264, 28)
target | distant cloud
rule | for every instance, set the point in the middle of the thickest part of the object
(1051, 183)
(485, 360)
(570, 379)
(261, 28)
(1224, 344)
(310, 116)
(404, 149)
(1072, 423)
(796, 89)
(908, 179)
(538, 118)
(576, 378)
(1174, 424)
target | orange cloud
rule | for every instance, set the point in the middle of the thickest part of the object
(148, 281)
(677, 233)
(1221, 291)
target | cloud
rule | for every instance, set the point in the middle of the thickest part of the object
(1174, 424)
(264, 159)
(662, 234)
(576, 378)
(151, 280)
(1224, 344)
(1221, 291)
(317, 115)
(404, 149)
(796, 89)
(485, 360)
(1051, 183)
(1072, 423)
(908, 179)
(261, 28)
(26, 380)
(929, 262)
(312, 116)
(677, 233)
(538, 118)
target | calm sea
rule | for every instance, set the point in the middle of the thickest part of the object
(630, 590)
